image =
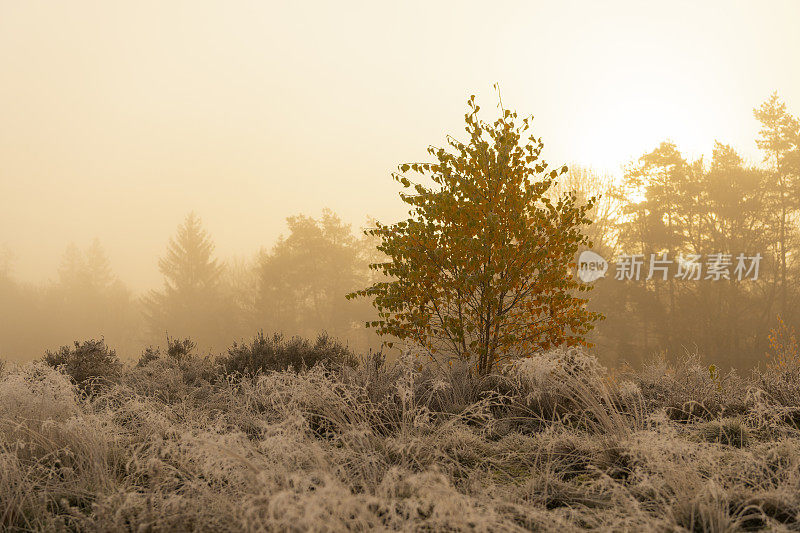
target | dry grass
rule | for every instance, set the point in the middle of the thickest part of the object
(551, 444)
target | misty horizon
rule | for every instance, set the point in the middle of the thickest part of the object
(119, 122)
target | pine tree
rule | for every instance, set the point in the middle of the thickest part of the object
(189, 266)
(189, 303)
(86, 271)
(780, 141)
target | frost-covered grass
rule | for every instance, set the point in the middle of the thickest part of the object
(554, 443)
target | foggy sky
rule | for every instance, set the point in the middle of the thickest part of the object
(118, 118)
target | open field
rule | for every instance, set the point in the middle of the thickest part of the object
(555, 443)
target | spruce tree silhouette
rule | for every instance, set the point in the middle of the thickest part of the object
(190, 302)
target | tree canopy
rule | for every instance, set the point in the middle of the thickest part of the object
(482, 269)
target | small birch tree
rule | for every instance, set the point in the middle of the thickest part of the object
(483, 268)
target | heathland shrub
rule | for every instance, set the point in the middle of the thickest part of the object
(90, 364)
(276, 353)
(177, 349)
(547, 383)
(780, 380)
(180, 349)
(690, 390)
(149, 354)
(173, 375)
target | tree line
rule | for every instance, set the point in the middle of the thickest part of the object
(497, 232)
(668, 204)
(297, 287)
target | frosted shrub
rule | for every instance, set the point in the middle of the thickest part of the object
(171, 379)
(37, 392)
(780, 380)
(553, 366)
(547, 381)
(91, 364)
(690, 390)
(264, 354)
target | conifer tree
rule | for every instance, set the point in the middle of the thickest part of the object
(190, 303)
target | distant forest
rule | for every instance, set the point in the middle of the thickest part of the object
(296, 288)
(664, 203)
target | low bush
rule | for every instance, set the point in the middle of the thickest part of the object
(690, 390)
(174, 375)
(780, 379)
(276, 353)
(177, 349)
(729, 431)
(90, 364)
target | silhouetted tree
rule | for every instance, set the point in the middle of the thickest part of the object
(779, 138)
(303, 280)
(88, 270)
(191, 304)
(685, 209)
(89, 301)
(21, 326)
